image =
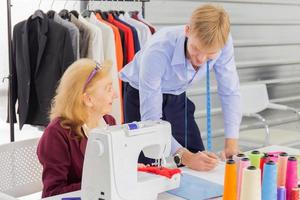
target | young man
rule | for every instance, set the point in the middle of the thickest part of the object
(157, 79)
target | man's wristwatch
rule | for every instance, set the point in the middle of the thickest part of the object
(177, 159)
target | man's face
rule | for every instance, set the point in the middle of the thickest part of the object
(195, 51)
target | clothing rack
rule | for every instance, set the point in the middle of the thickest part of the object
(9, 5)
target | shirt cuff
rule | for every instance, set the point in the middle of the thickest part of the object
(174, 146)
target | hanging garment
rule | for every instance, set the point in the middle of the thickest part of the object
(138, 16)
(145, 32)
(133, 29)
(118, 42)
(74, 33)
(110, 54)
(104, 17)
(136, 42)
(128, 37)
(42, 51)
(84, 36)
(95, 46)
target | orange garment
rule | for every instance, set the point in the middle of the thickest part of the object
(119, 52)
(119, 57)
(128, 37)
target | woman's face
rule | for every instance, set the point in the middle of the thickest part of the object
(102, 96)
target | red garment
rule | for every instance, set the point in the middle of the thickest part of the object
(162, 171)
(61, 156)
(129, 42)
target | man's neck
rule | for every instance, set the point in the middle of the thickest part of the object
(187, 55)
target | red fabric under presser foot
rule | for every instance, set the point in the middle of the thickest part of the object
(162, 171)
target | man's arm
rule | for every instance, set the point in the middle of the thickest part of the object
(151, 72)
(228, 90)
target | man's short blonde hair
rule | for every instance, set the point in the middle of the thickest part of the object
(211, 25)
(68, 102)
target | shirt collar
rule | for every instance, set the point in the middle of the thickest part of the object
(179, 54)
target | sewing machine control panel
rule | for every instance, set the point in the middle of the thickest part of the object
(144, 127)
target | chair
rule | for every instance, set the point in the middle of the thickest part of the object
(21, 172)
(6, 197)
(255, 99)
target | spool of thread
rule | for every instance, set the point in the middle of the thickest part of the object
(244, 163)
(230, 181)
(264, 159)
(281, 193)
(274, 158)
(295, 194)
(269, 183)
(298, 159)
(254, 157)
(237, 158)
(251, 184)
(282, 164)
(291, 176)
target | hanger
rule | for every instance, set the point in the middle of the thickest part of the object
(38, 13)
(74, 12)
(52, 4)
(64, 13)
(86, 13)
(51, 13)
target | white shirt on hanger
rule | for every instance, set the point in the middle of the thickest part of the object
(95, 49)
(145, 32)
(109, 49)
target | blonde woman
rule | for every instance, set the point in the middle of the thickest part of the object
(83, 98)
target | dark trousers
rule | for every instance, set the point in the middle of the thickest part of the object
(184, 127)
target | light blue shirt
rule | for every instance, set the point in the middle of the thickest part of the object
(161, 67)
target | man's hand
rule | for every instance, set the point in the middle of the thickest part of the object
(201, 161)
(231, 148)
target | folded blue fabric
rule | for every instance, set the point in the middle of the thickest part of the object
(195, 188)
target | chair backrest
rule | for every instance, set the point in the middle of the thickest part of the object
(254, 98)
(6, 197)
(21, 172)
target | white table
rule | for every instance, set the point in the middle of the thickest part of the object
(216, 175)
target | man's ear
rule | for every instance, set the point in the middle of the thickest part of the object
(87, 100)
(187, 30)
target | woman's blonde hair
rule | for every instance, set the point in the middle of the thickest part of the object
(211, 25)
(68, 103)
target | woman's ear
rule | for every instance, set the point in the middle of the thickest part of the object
(87, 100)
(187, 30)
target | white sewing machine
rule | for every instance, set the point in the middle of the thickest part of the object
(110, 164)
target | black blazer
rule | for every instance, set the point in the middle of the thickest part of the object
(42, 51)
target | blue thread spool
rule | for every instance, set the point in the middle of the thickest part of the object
(269, 182)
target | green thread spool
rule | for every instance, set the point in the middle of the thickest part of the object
(255, 157)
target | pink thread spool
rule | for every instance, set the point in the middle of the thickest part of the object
(273, 158)
(244, 163)
(237, 158)
(291, 176)
(282, 164)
